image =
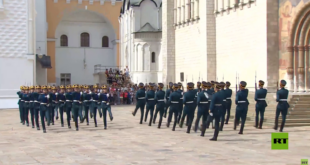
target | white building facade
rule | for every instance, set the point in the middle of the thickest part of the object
(140, 38)
(17, 49)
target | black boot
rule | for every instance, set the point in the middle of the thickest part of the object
(168, 124)
(260, 124)
(44, 131)
(282, 126)
(216, 133)
(235, 124)
(256, 123)
(160, 120)
(275, 124)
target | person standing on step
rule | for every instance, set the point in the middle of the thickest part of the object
(140, 97)
(68, 104)
(160, 103)
(174, 101)
(203, 105)
(189, 105)
(261, 104)
(282, 106)
(61, 103)
(215, 111)
(242, 106)
(180, 90)
(228, 101)
(223, 113)
(150, 103)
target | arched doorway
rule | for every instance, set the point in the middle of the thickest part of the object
(298, 61)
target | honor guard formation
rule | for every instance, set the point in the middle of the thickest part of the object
(214, 104)
(77, 101)
(213, 100)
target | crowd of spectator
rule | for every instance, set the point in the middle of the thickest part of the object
(116, 76)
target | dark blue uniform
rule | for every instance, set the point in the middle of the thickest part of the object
(203, 108)
(86, 98)
(44, 113)
(26, 105)
(20, 106)
(189, 108)
(168, 92)
(150, 105)
(36, 108)
(174, 101)
(210, 92)
(76, 96)
(61, 104)
(160, 105)
(242, 108)
(52, 107)
(68, 107)
(94, 106)
(223, 112)
(104, 107)
(228, 103)
(282, 107)
(180, 105)
(31, 108)
(140, 97)
(261, 104)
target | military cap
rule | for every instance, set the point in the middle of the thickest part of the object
(217, 86)
(170, 83)
(37, 87)
(243, 83)
(222, 84)
(103, 87)
(95, 86)
(198, 83)
(31, 87)
(212, 82)
(190, 85)
(160, 85)
(151, 85)
(86, 87)
(141, 85)
(283, 82)
(204, 84)
(43, 87)
(179, 84)
(21, 87)
(26, 88)
(48, 87)
(68, 86)
(175, 86)
(81, 86)
(227, 83)
(62, 87)
(53, 88)
(261, 82)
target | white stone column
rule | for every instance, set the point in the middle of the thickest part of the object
(179, 12)
(175, 12)
(183, 11)
(192, 9)
(216, 5)
(196, 9)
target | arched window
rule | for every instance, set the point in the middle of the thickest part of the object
(84, 40)
(153, 57)
(105, 41)
(63, 40)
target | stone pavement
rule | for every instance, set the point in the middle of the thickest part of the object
(127, 142)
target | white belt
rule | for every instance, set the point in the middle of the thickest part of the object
(75, 100)
(150, 99)
(43, 103)
(218, 105)
(190, 102)
(241, 101)
(283, 100)
(161, 100)
(31, 101)
(181, 98)
(204, 102)
(54, 100)
(224, 100)
(261, 99)
(36, 101)
(61, 100)
(21, 100)
(68, 101)
(103, 101)
(141, 98)
(95, 100)
(85, 100)
(26, 101)
(174, 102)
(228, 98)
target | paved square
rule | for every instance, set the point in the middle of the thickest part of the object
(127, 142)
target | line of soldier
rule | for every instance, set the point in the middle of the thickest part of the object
(213, 100)
(77, 101)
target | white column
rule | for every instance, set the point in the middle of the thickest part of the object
(183, 11)
(192, 9)
(179, 12)
(196, 9)
(216, 5)
(175, 12)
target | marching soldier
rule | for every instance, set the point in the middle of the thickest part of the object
(53, 103)
(86, 97)
(223, 113)
(211, 92)
(94, 104)
(20, 104)
(103, 98)
(260, 98)
(68, 104)
(109, 105)
(168, 92)
(31, 104)
(158, 110)
(282, 106)
(81, 105)
(180, 90)
(228, 100)
(215, 111)
(189, 105)
(174, 101)
(61, 102)
(26, 104)
(203, 105)
(76, 95)
(150, 103)
(44, 113)
(242, 106)
(36, 107)
(160, 103)
(49, 91)
(140, 97)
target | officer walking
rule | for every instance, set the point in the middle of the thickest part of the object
(189, 105)
(223, 113)
(150, 103)
(282, 106)
(260, 98)
(140, 97)
(35, 96)
(168, 92)
(94, 103)
(44, 112)
(203, 105)
(76, 95)
(53, 103)
(61, 103)
(68, 104)
(242, 106)
(174, 101)
(160, 102)
(86, 97)
(26, 105)
(31, 104)
(103, 98)
(228, 101)
(180, 90)
(20, 103)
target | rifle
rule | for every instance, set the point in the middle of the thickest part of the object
(277, 86)
(255, 82)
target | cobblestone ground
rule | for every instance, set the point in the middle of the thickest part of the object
(126, 142)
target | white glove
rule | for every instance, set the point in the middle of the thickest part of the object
(182, 93)
(98, 94)
(48, 96)
(211, 114)
(206, 95)
(108, 103)
(107, 95)
(81, 93)
(56, 94)
(90, 93)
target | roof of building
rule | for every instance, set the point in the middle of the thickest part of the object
(147, 28)
(135, 3)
